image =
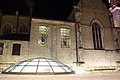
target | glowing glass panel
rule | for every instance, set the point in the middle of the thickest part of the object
(23, 63)
(67, 69)
(17, 69)
(44, 63)
(32, 63)
(29, 69)
(44, 69)
(54, 64)
(58, 69)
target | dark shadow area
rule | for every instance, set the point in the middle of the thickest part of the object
(22, 37)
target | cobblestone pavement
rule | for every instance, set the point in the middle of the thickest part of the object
(86, 76)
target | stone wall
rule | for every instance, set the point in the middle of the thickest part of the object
(7, 58)
(91, 11)
(53, 49)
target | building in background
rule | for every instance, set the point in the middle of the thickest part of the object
(115, 10)
(89, 40)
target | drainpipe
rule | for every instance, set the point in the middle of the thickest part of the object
(77, 59)
(31, 9)
(76, 37)
(77, 22)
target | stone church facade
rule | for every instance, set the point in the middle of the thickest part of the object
(88, 41)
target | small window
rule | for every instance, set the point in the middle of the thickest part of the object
(65, 37)
(43, 35)
(1, 48)
(97, 39)
(16, 49)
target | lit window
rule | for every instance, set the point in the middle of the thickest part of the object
(1, 48)
(65, 37)
(43, 35)
(97, 40)
(16, 49)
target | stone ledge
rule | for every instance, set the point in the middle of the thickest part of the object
(104, 69)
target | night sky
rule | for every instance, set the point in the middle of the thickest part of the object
(50, 9)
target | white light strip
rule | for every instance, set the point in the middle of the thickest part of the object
(113, 9)
(109, 1)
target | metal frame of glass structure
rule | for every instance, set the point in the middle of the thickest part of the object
(38, 66)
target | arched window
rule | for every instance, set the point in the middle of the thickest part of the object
(23, 29)
(7, 28)
(97, 39)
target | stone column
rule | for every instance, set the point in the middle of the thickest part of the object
(54, 41)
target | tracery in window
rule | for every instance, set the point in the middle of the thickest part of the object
(7, 28)
(65, 37)
(23, 29)
(97, 38)
(43, 35)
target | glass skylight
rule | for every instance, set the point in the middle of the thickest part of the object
(39, 66)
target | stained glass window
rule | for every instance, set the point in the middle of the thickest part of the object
(65, 37)
(43, 35)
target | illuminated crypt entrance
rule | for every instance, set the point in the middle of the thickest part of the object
(39, 66)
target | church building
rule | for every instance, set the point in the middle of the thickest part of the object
(89, 40)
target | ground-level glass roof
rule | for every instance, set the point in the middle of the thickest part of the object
(39, 66)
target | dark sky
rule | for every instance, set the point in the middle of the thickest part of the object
(51, 9)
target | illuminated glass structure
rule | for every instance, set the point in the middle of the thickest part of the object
(39, 66)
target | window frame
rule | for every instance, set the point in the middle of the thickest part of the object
(97, 36)
(67, 39)
(16, 51)
(43, 38)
